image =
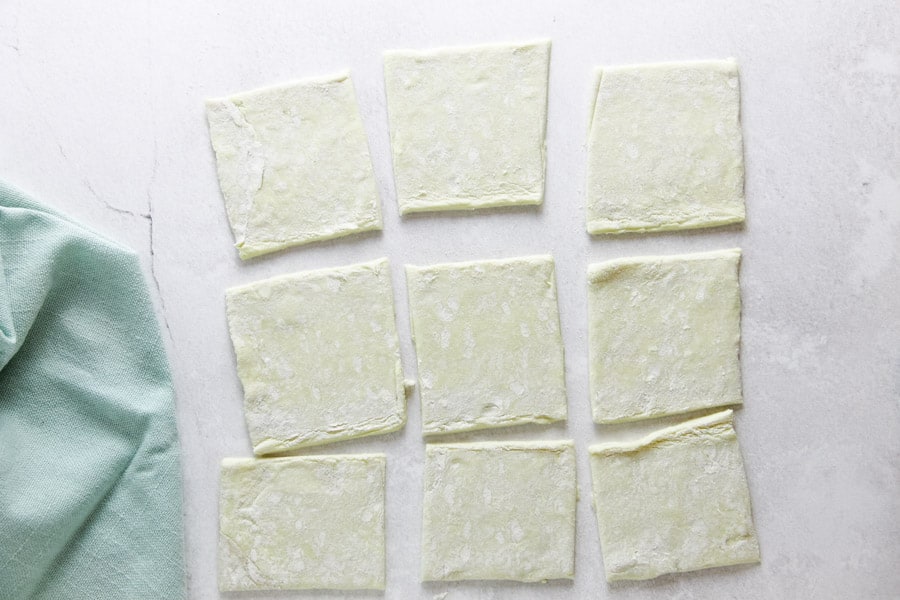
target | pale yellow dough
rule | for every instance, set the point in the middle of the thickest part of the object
(313, 522)
(664, 335)
(499, 510)
(676, 500)
(467, 125)
(293, 164)
(665, 148)
(318, 355)
(488, 343)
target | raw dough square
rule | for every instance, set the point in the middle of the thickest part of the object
(499, 510)
(488, 344)
(293, 164)
(674, 501)
(467, 125)
(664, 335)
(318, 356)
(314, 522)
(665, 149)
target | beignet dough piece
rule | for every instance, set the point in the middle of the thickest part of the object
(664, 335)
(499, 510)
(676, 500)
(318, 356)
(665, 148)
(312, 522)
(293, 164)
(488, 343)
(467, 125)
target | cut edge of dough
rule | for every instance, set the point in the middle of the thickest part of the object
(598, 79)
(451, 266)
(377, 264)
(608, 227)
(243, 461)
(251, 248)
(666, 434)
(408, 206)
(454, 427)
(429, 578)
(725, 65)
(517, 445)
(268, 446)
(633, 576)
(336, 77)
(221, 113)
(598, 272)
(449, 50)
(618, 419)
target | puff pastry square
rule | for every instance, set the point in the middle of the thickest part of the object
(676, 500)
(467, 125)
(314, 522)
(664, 335)
(488, 343)
(499, 510)
(293, 164)
(318, 356)
(665, 148)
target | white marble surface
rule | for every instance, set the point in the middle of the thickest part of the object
(101, 115)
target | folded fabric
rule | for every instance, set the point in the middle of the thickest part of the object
(90, 482)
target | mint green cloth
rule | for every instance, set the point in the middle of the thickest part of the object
(90, 482)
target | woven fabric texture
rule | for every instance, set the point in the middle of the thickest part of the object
(90, 479)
